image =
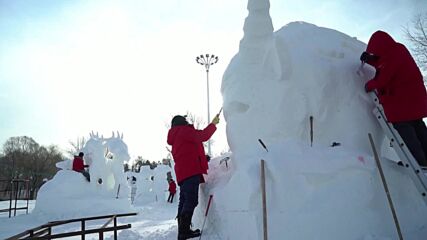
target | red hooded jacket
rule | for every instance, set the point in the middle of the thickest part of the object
(172, 186)
(78, 164)
(398, 80)
(188, 151)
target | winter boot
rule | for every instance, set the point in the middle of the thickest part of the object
(193, 231)
(191, 224)
(184, 231)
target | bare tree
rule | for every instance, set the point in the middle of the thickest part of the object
(76, 146)
(197, 122)
(417, 35)
(25, 158)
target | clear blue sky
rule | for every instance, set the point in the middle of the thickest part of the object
(70, 67)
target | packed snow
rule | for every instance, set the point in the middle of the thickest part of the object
(315, 190)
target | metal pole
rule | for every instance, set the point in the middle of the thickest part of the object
(209, 112)
(207, 60)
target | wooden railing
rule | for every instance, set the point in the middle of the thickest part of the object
(45, 231)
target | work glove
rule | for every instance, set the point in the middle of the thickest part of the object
(368, 57)
(215, 120)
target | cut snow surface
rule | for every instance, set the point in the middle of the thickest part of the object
(271, 88)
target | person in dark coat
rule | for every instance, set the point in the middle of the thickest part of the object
(190, 165)
(401, 91)
(172, 190)
(79, 166)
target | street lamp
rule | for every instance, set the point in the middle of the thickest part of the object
(207, 61)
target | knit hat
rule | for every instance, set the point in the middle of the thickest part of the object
(179, 120)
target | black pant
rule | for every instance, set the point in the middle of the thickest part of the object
(170, 198)
(414, 134)
(188, 195)
(86, 175)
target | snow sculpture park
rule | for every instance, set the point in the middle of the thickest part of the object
(297, 91)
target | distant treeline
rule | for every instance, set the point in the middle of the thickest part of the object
(23, 158)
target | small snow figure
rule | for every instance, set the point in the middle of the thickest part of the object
(172, 190)
(78, 166)
(400, 88)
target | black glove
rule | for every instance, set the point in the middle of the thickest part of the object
(365, 57)
(366, 88)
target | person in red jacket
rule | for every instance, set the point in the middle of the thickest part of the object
(79, 166)
(401, 91)
(172, 190)
(190, 165)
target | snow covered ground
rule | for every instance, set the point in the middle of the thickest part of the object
(155, 220)
(271, 88)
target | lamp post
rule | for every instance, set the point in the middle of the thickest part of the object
(207, 61)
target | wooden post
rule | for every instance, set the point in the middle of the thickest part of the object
(10, 198)
(16, 197)
(118, 191)
(28, 192)
(311, 131)
(115, 230)
(83, 229)
(390, 202)
(264, 200)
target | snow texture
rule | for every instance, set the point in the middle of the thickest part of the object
(271, 88)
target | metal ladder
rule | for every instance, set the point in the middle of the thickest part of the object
(409, 163)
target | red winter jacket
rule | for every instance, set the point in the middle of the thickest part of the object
(78, 164)
(398, 80)
(188, 151)
(172, 187)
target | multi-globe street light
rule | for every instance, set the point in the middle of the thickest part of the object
(207, 61)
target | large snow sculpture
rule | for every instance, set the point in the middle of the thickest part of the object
(271, 88)
(266, 86)
(106, 157)
(108, 189)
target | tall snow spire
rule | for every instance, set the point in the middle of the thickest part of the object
(258, 24)
(258, 29)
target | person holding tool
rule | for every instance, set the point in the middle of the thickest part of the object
(400, 89)
(190, 165)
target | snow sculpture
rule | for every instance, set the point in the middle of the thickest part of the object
(116, 157)
(152, 184)
(274, 73)
(271, 88)
(106, 157)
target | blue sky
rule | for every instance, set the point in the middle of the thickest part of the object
(70, 67)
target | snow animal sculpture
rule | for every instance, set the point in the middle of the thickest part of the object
(116, 157)
(271, 66)
(106, 157)
(95, 156)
